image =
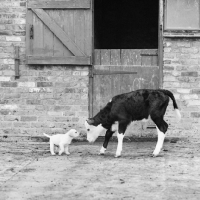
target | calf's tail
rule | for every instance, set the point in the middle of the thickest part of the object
(168, 93)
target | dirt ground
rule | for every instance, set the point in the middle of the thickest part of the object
(36, 175)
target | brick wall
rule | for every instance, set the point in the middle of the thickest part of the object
(52, 99)
(181, 75)
(48, 99)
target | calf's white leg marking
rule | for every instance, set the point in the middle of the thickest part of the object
(119, 145)
(102, 151)
(161, 137)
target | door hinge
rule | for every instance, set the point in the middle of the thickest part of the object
(31, 31)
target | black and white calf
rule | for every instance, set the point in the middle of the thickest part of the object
(125, 108)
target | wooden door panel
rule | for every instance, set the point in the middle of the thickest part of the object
(130, 57)
(38, 36)
(119, 71)
(59, 49)
(107, 86)
(61, 29)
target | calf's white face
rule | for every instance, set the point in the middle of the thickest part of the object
(93, 131)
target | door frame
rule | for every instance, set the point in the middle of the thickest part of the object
(160, 42)
(160, 54)
(91, 68)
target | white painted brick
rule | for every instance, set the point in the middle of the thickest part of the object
(183, 44)
(13, 38)
(168, 44)
(10, 4)
(34, 90)
(2, 27)
(193, 103)
(167, 50)
(55, 113)
(84, 73)
(5, 55)
(190, 97)
(184, 91)
(8, 107)
(9, 61)
(20, 21)
(190, 50)
(5, 78)
(9, 73)
(171, 84)
(177, 96)
(26, 84)
(175, 73)
(2, 38)
(169, 78)
(40, 90)
(76, 73)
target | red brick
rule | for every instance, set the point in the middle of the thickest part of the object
(44, 84)
(8, 84)
(194, 74)
(28, 118)
(195, 114)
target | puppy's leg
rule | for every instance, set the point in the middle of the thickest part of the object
(52, 148)
(56, 148)
(62, 149)
(67, 149)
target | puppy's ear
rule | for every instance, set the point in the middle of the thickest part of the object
(90, 121)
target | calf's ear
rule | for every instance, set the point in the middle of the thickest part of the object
(90, 121)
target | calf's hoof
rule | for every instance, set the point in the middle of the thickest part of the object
(117, 155)
(155, 154)
(102, 151)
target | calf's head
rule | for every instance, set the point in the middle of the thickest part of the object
(93, 131)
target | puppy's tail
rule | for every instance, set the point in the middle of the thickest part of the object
(46, 135)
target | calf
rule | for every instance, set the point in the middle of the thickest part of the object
(125, 108)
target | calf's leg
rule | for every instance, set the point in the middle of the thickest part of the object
(161, 127)
(108, 135)
(120, 136)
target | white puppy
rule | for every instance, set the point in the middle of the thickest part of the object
(62, 140)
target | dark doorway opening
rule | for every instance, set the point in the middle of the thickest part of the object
(126, 24)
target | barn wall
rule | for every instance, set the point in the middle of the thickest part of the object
(181, 75)
(48, 99)
(52, 99)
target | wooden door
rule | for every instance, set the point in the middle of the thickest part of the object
(59, 32)
(118, 71)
